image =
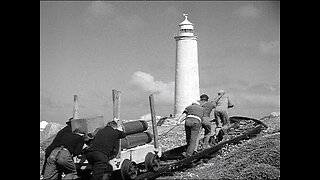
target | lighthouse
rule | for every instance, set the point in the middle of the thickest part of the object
(186, 67)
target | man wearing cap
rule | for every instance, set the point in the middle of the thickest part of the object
(104, 147)
(193, 115)
(206, 124)
(59, 154)
(223, 103)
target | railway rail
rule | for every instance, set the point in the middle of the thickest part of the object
(241, 128)
(172, 160)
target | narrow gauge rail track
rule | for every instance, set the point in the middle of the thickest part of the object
(171, 161)
(241, 128)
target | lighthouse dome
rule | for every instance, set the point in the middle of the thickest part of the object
(185, 21)
(186, 24)
(186, 27)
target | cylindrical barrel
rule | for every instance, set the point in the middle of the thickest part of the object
(134, 127)
(136, 140)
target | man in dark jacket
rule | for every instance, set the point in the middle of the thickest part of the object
(193, 115)
(206, 124)
(102, 149)
(59, 154)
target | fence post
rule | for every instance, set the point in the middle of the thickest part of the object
(75, 114)
(154, 124)
(116, 115)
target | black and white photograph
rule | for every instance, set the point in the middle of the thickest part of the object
(139, 90)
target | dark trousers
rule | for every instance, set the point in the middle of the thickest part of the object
(101, 169)
(192, 128)
(207, 126)
(59, 161)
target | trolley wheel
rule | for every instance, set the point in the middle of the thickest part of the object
(152, 162)
(129, 170)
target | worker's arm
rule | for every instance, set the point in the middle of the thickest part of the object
(122, 134)
(181, 117)
(79, 149)
(214, 104)
(230, 103)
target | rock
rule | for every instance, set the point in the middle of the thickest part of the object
(272, 121)
(43, 125)
(275, 114)
(50, 130)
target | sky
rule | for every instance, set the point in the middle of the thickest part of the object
(88, 48)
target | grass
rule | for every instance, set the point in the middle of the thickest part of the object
(257, 158)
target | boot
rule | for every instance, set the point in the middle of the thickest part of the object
(70, 176)
(213, 140)
(217, 130)
(220, 136)
(206, 142)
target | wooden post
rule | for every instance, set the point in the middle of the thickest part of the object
(116, 104)
(75, 107)
(116, 115)
(154, 124)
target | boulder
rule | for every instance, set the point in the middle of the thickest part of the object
(272, 121)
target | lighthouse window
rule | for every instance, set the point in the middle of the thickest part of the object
(185, 30)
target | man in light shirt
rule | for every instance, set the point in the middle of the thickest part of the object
(192, 115)
(223, 103)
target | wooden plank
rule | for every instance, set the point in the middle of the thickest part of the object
(116, 104)
(75, 114)
(116, 115)
(154, 124)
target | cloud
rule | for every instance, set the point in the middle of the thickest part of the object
(43, 124)
(271, 47)
(247, 11)
(164, 92)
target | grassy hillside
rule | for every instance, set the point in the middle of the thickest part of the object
(257, 158)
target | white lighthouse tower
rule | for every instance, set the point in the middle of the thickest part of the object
(187, 73)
